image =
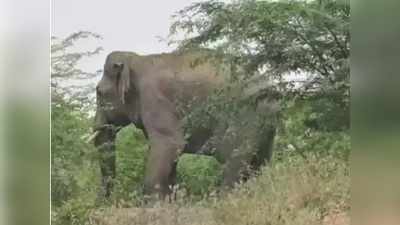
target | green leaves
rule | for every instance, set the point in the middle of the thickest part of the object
(305, 128)
(310, 38)
(71, 155)
(198, 175)
(258, 41)
(132, 150)
(74, 169)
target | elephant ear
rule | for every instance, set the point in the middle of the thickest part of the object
(123, 81)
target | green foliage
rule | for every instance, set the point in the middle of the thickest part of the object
(285, 36)
(198, 175)
(132, 151)
(270, 39)
(297, 135)
(71, 155)
(74, 172)
(74, 169)
(306, 191)
(295, 190)
(308, 39)
(75, 211)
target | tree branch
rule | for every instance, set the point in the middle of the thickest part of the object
(343, 50)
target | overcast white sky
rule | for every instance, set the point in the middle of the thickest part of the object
(131, 25)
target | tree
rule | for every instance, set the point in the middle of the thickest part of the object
(64, 69)
(303, 39)
(69, 122)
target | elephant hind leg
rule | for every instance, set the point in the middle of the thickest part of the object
(232, 173)
(265, 149)
(237, 166)
(246, 160)
(238, 169)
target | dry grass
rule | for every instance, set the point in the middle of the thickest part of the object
(164, 215)
(297, 192)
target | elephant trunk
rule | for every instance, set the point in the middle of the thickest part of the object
(104, 140)
(105, 144)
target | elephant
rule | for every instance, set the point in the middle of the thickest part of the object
(156, 93)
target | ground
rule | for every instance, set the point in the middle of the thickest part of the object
(173, 215)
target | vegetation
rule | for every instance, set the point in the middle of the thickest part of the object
(296, 191)
(301, 46)
(304, 46)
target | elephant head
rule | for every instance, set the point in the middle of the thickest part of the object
(117, 102)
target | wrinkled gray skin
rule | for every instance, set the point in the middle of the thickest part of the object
(146, 91)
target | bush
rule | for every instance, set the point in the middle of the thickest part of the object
(198, 175)
(73, 168)
(74, 171)
(297, 190)
(297, 137)
(131, 150)
(75, 211)
(294, 191)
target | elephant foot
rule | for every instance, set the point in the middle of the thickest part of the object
(153, 201)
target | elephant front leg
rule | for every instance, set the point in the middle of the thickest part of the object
(165, 134)
(161, 167)
(105, 143)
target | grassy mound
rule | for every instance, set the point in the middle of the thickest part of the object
(311, 190)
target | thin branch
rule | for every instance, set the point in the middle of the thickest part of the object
(342, 48)
(314, 49)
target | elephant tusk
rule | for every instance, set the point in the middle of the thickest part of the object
(91, 137)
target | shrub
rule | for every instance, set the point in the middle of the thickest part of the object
(295, 191)
(198, 175)
(73, 169)
(131, 150)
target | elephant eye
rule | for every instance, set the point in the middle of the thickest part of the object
(118, 66)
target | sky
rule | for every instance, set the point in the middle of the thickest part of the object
(127, 25)
(130, 25)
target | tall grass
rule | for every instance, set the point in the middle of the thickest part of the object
(296, 191)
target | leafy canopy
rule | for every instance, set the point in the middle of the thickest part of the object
(307, 39)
